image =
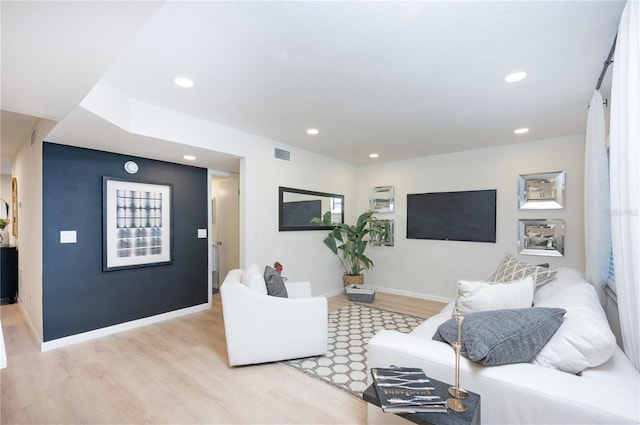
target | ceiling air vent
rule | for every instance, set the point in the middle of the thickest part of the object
(282, 154)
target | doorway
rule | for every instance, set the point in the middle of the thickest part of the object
(225, 227)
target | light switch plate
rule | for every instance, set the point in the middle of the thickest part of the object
(68, 236)
(202, 233)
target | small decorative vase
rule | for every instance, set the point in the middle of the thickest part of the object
(4, 237)
(350, 279)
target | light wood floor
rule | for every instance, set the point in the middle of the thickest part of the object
(173, 372)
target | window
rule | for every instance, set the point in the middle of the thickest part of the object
(611, 278)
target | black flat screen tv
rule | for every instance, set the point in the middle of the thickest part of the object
(452, 216)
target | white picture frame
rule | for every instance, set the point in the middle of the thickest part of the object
(136, 224)
(541, 237)
(541, 191)
(386, 237)
(381, 199)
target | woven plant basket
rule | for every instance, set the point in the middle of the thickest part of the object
(348, 279)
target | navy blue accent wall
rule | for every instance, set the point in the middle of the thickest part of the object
(77, 295)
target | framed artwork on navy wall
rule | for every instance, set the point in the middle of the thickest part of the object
(137, 224)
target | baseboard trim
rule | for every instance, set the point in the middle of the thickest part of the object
(121, 327)
(415, 295)
(334, 293)
(397, 292)
(32, 329)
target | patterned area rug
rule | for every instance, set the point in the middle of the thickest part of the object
(350, 329)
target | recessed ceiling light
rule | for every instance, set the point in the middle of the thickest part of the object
(189, 157)
(183, 82)
(373, 155)
(313, 131)
(131, 167)
(521, 131)
(515, 76)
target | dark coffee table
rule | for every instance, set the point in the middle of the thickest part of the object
(470, 417)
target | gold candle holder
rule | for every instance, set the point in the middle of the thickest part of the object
(456, 404)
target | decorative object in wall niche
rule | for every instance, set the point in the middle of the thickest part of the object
(542, 191)
(541, 237)
(136, 224)
(14, 207)
(381, 199)
(385, 236)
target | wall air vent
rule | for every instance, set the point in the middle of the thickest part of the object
(282, 154)
(33, 138)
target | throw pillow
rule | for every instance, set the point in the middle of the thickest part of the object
(502, 336)
(275, 284)
(585, 339)
(481, 296)
(254, 279)
(250, 271)
(510, 269)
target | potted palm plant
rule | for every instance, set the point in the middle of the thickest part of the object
(349, 242)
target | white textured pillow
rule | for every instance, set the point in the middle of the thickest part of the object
(253, 278)
(510, 269)
(585, 339)
(482, 296)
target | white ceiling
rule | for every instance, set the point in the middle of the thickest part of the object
(402, 79)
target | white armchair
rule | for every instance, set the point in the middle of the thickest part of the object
(261, 328)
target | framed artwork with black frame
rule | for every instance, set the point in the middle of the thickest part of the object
(137, 227)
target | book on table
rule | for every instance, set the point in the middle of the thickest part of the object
(406, 390)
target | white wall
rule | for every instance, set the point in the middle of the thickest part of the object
(431, 268)
(303, 254)
(5, 193)
(5, 188)
(414, 267)
(27, 169)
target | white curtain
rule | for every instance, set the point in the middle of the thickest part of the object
(597, 216)
(625, 177)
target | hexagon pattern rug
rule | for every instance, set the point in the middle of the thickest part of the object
(350, 329)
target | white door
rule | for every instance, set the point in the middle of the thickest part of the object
(228, 223)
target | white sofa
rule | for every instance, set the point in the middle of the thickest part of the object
(534, 392)
(262, 328)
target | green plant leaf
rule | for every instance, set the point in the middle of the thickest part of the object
(349, 242)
